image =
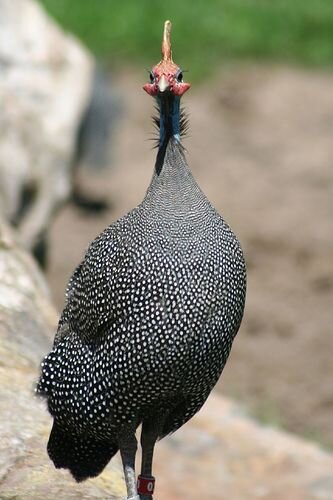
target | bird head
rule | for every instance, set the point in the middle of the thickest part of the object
(166, 76)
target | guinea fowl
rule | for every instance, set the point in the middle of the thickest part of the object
(150, 315)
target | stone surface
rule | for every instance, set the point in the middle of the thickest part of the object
(222, 454)
(45, 81)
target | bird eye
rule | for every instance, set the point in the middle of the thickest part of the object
(152, 77)
(179, 77)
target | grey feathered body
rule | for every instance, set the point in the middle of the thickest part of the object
(150, 317)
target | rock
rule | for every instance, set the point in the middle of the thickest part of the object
(45, 82)
(222, 454)
(27, 325)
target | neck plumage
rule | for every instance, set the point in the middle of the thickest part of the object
(172, 123)
(169, 122)
(173, 191)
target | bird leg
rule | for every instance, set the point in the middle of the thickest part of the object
(128, 447)
(149, 435)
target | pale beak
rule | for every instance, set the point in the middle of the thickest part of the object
(163, 84)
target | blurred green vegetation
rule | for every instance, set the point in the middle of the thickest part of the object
(205, 32)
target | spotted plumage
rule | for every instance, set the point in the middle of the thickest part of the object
(150, 316)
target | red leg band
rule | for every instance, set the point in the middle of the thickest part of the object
(146, 485)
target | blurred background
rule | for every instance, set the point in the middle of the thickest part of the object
(261, 147)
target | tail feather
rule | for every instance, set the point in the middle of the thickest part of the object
(84, 456)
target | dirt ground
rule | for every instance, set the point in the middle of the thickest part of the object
(261, 148)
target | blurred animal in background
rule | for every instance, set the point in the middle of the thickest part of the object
(51, 120)
(93, 145)
(150, 316)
